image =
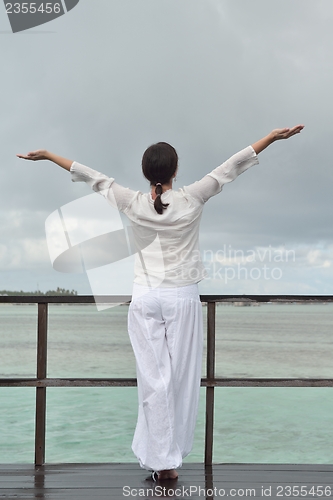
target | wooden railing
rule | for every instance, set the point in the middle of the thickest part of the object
(41, 382)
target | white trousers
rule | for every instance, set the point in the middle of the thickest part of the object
(166, 332)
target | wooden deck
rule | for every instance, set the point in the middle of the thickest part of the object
(119, 481)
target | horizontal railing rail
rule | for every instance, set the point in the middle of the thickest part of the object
(116, 299)
(42, 382)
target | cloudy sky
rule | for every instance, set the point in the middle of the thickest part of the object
(109, 78)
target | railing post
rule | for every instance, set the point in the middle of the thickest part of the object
(211, 310)
(40, 424)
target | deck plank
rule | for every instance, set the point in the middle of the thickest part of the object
(106, 481)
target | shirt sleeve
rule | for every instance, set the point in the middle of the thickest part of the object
(212, 183)
(116, 195)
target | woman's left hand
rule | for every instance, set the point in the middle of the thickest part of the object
(39, 154)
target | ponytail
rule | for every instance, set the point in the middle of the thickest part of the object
(158, 205)
(159, 164)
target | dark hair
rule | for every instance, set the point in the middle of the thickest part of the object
(159, 163)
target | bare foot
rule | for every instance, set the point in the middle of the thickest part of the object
(167, 474)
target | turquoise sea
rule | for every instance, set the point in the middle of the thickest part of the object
(255, 425)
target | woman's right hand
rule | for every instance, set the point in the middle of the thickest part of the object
(39, 154)
(276, 135)
(285, 133)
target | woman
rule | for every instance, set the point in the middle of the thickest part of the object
(165, 316)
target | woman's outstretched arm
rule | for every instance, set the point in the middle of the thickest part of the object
(276, 135)
(42, 154)
(212, 183)
(117, 196)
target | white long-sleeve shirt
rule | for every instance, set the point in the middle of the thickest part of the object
(167, 244)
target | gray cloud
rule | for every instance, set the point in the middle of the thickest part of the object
(208, 76)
